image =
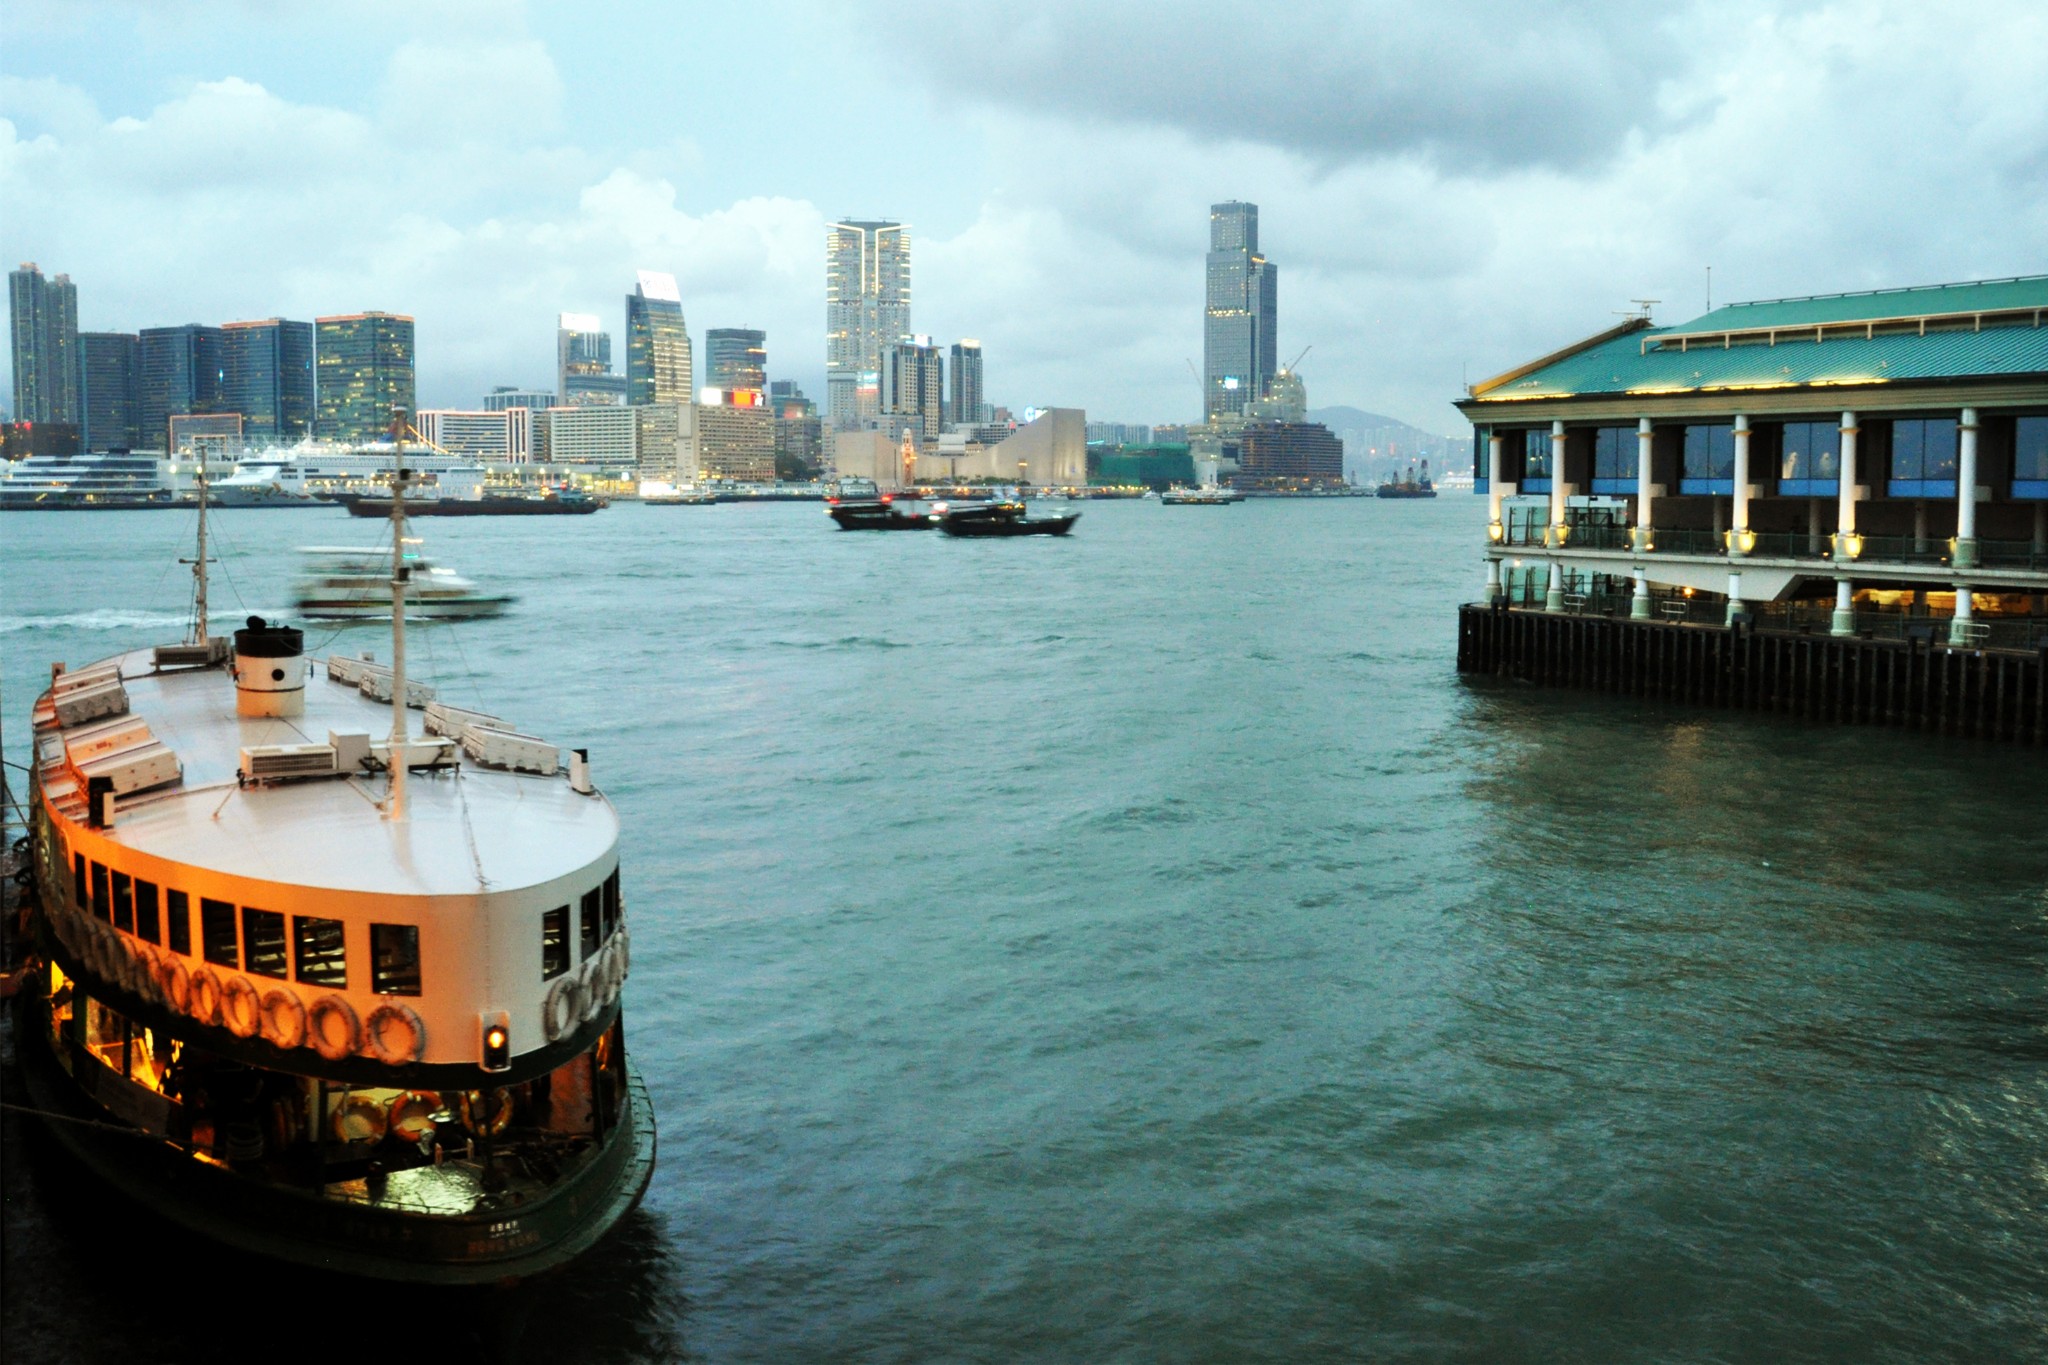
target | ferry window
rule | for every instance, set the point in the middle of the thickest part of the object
(322, 956)
(589, 931)
(395, 959)
(178, 921)
(263, 941)
(2030, 448)
(611, 903)
(147, 927)
(1810, 450)
(554, 943)
(124, 902)
(1924, 448)
(1614, 453)
(102, 908)
(217, 941)
(78, 879)
(1709, 452)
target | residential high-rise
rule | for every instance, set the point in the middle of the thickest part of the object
(913, 391)
(180, 376)
(583, 363)
(964, 401)
(363, 369)
(799, 438)
(658, 362)
(109, 390)
(1239, 335)
(267, 376)
(867, 305)
(44, 316)
(736, 358)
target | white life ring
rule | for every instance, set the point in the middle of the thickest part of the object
(240, 1007)
(625, 952)
(143, 966)
(562, 1010)
(394, 1035)
(614, 972)
(283, 1018)
(174, 982)
(97, 953)
(202, 1000)
(359, 1118)
(591, 984)
(333, 1029)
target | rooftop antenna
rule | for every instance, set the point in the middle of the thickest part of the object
(1710, 289)
(394, 809)
(1641, 309)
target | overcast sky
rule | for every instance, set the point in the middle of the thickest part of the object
(1449, 189)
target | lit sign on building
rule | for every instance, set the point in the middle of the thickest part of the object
(732, 398)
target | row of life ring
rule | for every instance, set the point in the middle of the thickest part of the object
(393, 1034)
(580, 996)
(413, 1114)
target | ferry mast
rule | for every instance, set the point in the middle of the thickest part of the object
(394, 808)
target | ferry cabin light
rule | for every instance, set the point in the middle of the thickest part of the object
(496, 1026)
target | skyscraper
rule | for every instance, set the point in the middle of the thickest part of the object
(867, 305)
(736, 358)
(180, 375)
(913, 390)
(658, 361)
(583, 363)
(964, 402)
(44, 314)
(363, 371)
(267, 376)
(109, 390)
(1239, 336)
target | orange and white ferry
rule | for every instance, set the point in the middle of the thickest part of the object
(319, 983)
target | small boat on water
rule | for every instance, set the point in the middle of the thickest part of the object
(1209, 495)
(856, 505)
(654, 493)
(999, 519)
(1408, 485)
(340, 583)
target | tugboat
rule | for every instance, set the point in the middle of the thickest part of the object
(1409, 486)
(1000, 519)
(856, 505)
(345, 1001)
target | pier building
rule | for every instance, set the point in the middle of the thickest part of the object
(1867, 467)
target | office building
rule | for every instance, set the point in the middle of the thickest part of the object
(799, 435)
(735, 435)
(1239, 334)
(594, 437)
(867, 305)
(665, 441)
(1119, 434)
(181, 373)
(658, 363)
(913, 389)
(965, 400)
(506, 396)
(736, 358)
(486, 437)
(363, 373)
(1288, 457)
(583, 364)
(267, 376)
(109, 390)
(43, 315)
(209, 435)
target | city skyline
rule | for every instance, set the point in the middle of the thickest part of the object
(1440, 212)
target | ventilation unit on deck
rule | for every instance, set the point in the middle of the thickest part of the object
(133, 770)
(261, 762)
(191, 656)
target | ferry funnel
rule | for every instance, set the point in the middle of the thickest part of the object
(270, 670)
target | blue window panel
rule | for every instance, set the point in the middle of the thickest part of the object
(1541, 485)
(1921, 488)
(1482, 484)
(1810, 488)
(1707, 486)
(2030, 489)
(1620, 487)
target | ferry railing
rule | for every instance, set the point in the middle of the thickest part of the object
(2012, 554)
(1902, 550)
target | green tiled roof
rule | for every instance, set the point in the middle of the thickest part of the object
(1649, 359)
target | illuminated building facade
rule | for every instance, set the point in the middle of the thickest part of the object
(583, 363)
(181, 374)
(867, 305)
(267, 376)
(109, 390)
(363, 373)
(658, 360)
(505, 396)
(1287, 456)
(1240, 324)
(736, 358)
(966, 402)
(735, 435)
(913, 389)
(1860, 464)
(43, 316)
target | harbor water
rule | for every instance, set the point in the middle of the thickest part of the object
(1143, 946)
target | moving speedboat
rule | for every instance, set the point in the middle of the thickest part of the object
(354, 584)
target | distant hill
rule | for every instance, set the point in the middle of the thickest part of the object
(1376, 445)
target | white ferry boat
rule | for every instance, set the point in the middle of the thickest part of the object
(1208, 495)
(342, 583)
(346, 1001)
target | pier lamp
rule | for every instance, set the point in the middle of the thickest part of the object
(497, 1040)
(1852, 545)
(1564, 532)
(1496, 532)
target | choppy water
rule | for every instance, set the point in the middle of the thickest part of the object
(1143, 946)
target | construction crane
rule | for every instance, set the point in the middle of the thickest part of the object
(1294, 366)
(1201, 391)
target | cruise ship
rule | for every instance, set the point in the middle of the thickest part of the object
(87, 483)
(319, 983)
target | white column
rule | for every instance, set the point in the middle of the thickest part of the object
(1738, 610)
(1494, 492)
(1639, 605)
(1959, 625)
(1845, 507)
(1738, 539)
(1555, 537)
(1966, 492)
(1492, 580)
(1845, 609)
(1644, 438)
(1553, 598)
